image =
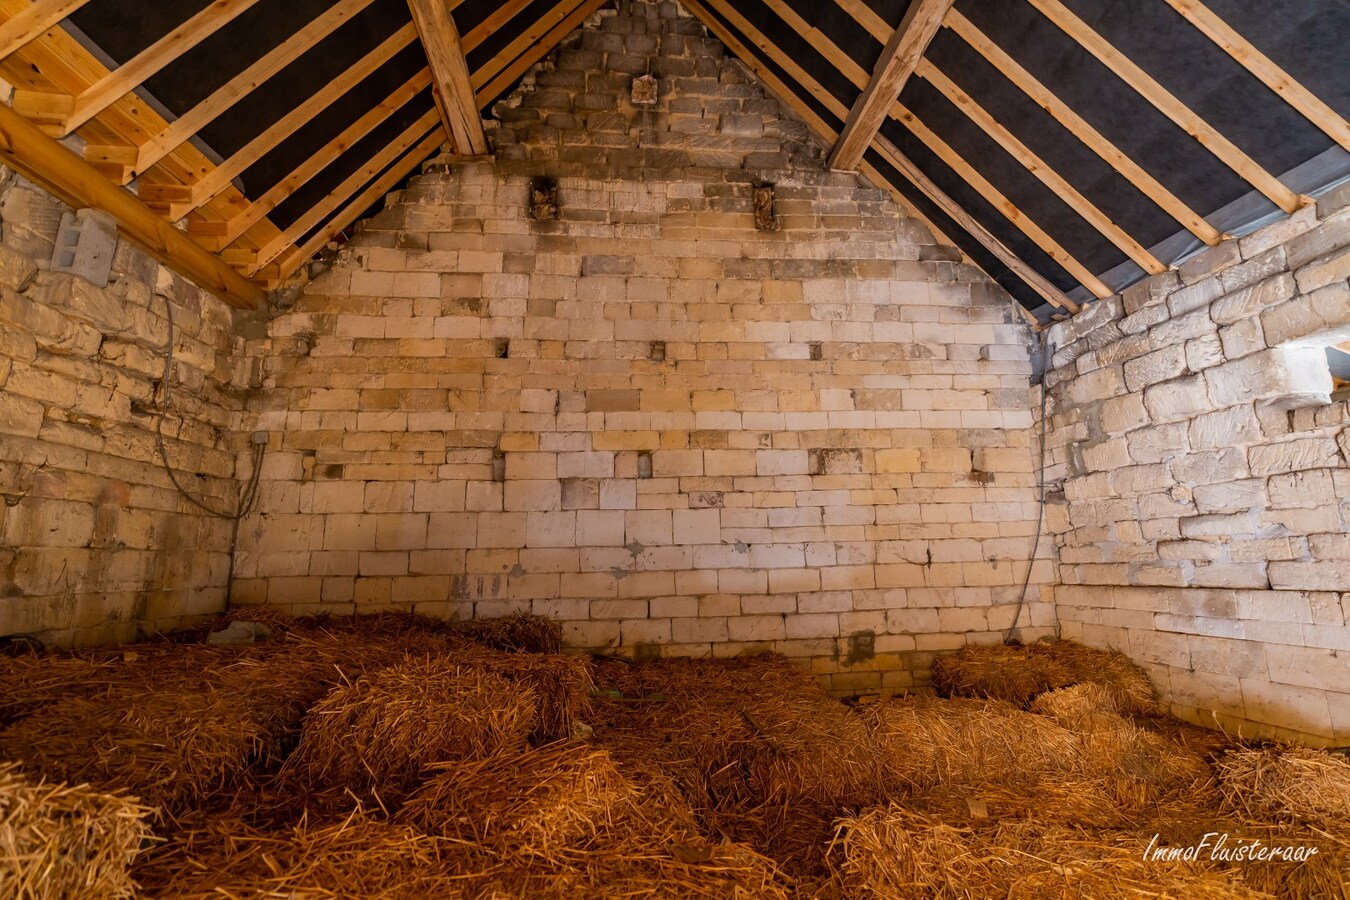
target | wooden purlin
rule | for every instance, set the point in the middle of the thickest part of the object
(902, 164)
(901, 55)
(73, 181)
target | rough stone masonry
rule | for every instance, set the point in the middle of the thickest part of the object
(1202, 456)
(646, 418)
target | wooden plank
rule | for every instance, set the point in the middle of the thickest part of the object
(867, 17)
(219, 179)
(450, 76)
(1081, 129)
(898, 60)
(34, 20)
(902, 164)
(999, 201)
(1035, 280)
(349, 186)
(966, 171)
(364, 201)
(1168, 104)
(241, 85)
(219, 234)
(1308, 104)
(73, 181)
(499, 17)
(1042, 170)
(134, 72)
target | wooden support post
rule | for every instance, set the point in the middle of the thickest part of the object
(72, 180)
(450, 76)
(898, 60)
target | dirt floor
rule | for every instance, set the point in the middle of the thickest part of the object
(391, 756)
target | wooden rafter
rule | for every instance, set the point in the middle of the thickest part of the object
(450, 76)
(1308, 104)
(898, 60)
(903, 165)
(217, 235)
(855, 73)
(1078, 126)
(364, 200)
(219, 179)
(152, 59)
(240, 86)
(349, 187)
(34, 20)
(1169, 105)
(1038, 167)
(26, 149)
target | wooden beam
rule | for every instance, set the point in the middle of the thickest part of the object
(73, 181)
(1308, 104)
(241, 85)
(1081, 129)
(219, 234)
(364, 201)
(867, 17)
(1168, 104)
(450, 76)
(902, 164)
(504, 13)
(349, 186)
(940, 148)
(134, 72)
(31, 22)
(220, 177)
(898, 61)
(1038, 167)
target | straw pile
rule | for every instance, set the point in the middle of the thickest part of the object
(58, 841)
(377, 737)
(1289, 784)
(1018, 674)
(394, 756)
(897, 854)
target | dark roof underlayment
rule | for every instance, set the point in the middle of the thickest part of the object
(1307, 39)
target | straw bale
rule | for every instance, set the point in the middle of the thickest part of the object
(377, 737)
(1289, 784)
(518, 633)
(756, 748)
(58, 841)
(1018, 674)
(924, 742)
(537, 803)
(895, 853)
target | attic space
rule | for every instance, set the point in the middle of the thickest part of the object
(674, 448)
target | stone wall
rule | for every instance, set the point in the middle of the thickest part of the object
(1203, 459)
(95, 544)
(646, 418)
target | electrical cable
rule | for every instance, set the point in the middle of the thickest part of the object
(249, 495)
(1040, 484)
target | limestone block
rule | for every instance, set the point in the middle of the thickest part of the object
(1285, 377)
(1160, 365)
(1254, 299)
(1231, 427)
(1178, 399)
(1292, 456)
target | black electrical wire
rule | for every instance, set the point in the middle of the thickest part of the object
(1040, 484)
(249, 495)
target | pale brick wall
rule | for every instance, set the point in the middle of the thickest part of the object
(95, 545)
(1202, 527)
(475, 416)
